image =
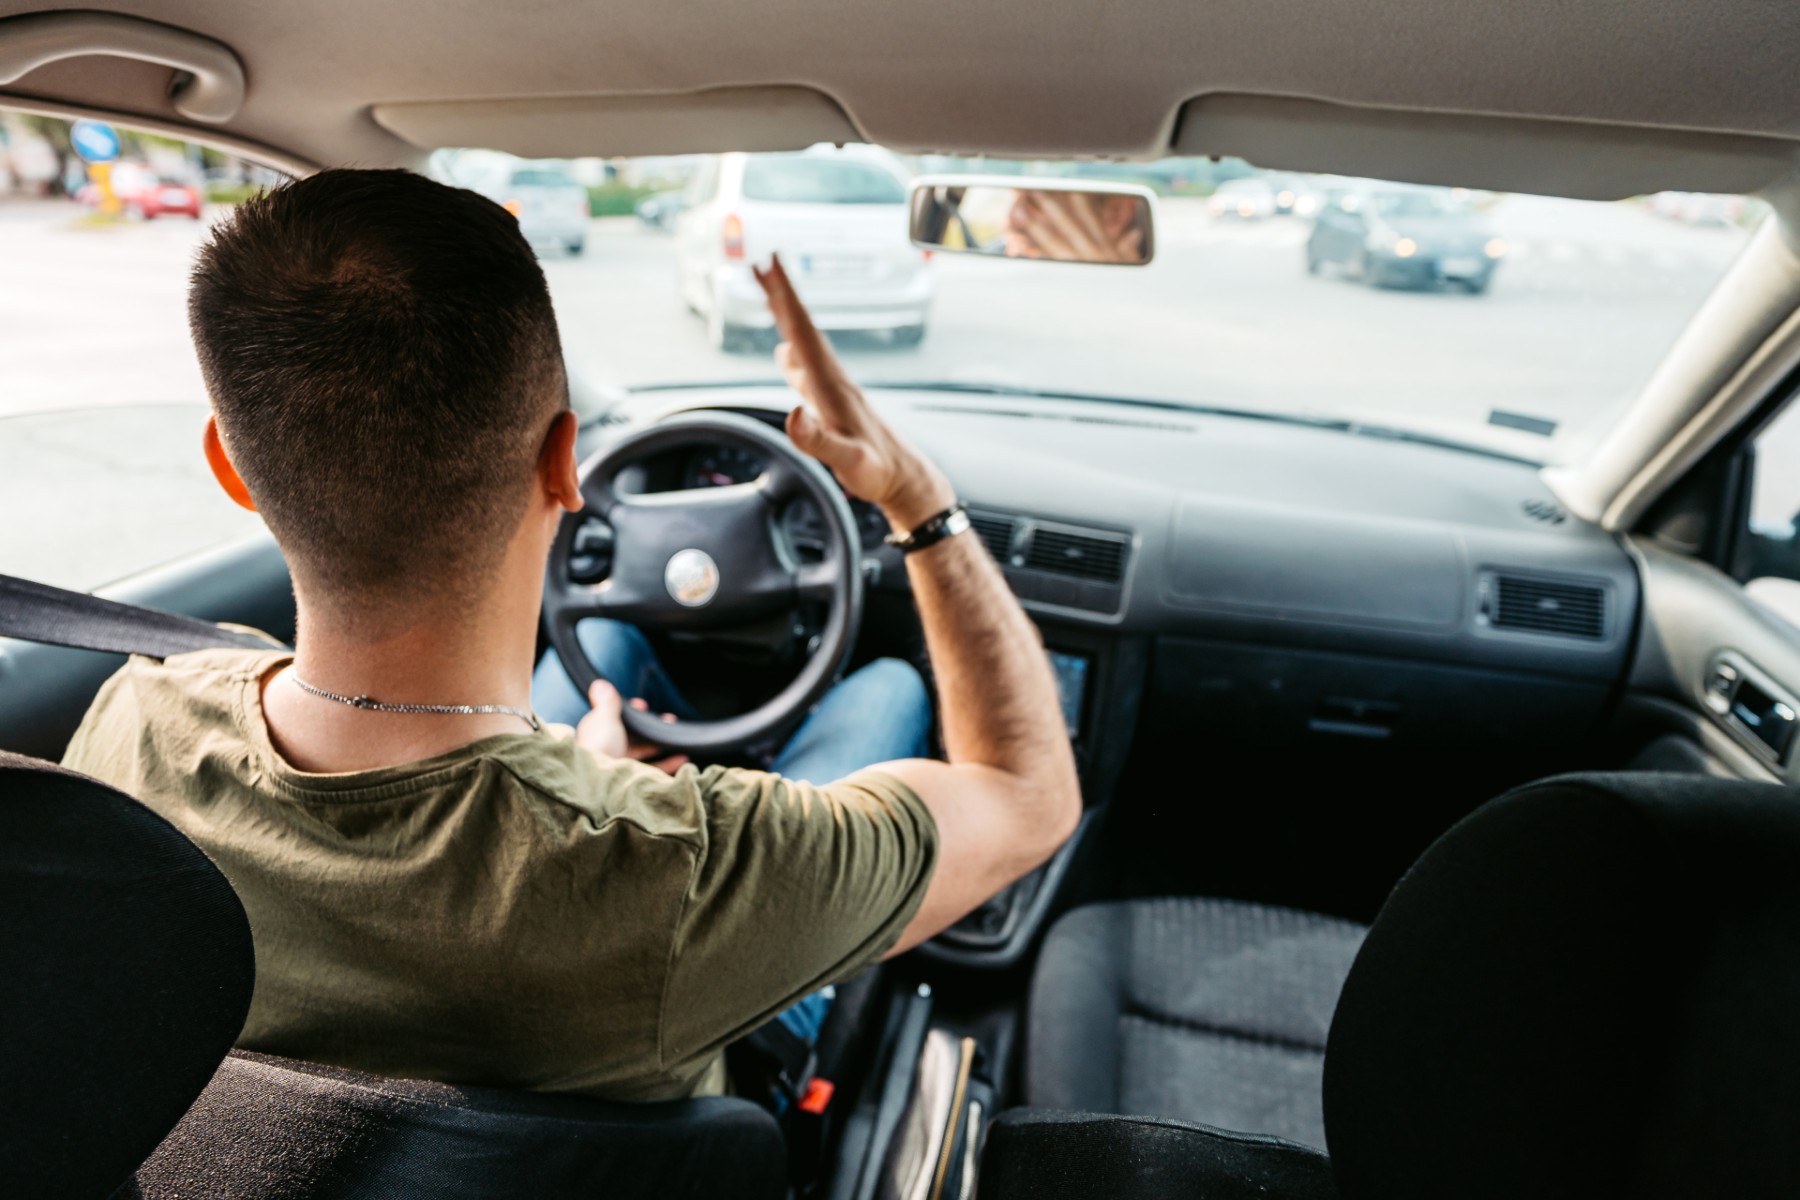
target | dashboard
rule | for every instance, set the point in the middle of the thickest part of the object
(1269, 581)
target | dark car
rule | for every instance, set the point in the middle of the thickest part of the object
(659, 210)
(1413, 237)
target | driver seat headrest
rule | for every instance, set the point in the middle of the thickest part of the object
(1588, 988)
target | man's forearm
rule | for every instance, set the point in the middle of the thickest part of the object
(996, 693)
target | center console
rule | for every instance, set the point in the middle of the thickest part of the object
(1099, 680)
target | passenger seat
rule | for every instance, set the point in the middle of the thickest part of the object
(1585, 990)
(1208, 1011)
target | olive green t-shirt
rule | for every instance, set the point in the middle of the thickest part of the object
(520, 912)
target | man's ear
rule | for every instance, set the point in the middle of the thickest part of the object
(557, 467)
(222, 469)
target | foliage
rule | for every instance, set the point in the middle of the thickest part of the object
(614, 199)
(220, 192)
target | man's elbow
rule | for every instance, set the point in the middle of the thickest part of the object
(1059, 803)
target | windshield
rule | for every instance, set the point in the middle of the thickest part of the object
(1509, 322)
(1518, 323)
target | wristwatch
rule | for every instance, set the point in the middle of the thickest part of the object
(932, 530)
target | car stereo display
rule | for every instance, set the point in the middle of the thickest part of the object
(1071, 686)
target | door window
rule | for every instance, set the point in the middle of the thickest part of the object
(1770, 557)
(101, 401)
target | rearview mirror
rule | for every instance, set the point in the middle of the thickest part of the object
(1050, 219)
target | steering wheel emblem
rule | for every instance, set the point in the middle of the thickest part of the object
(692, 577)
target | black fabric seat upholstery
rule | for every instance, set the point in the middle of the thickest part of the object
(1208, 1011)
(125, 973)
(1045, 1154)
(274, 1129)
(1586, 990)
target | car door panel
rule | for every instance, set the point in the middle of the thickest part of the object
(44, 690)
(1695, 620)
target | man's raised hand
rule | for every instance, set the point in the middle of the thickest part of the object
(836, 424)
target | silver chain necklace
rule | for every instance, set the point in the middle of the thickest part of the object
(451, 710)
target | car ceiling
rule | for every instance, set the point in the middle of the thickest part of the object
(1646, 93)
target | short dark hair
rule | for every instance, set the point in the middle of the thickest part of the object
(384, 364)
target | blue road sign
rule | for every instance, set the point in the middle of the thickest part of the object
(94, 141)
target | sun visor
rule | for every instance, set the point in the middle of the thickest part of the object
(783, 117)
(1506, 154)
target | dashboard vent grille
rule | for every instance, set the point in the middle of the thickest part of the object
(1078, 555)
(1551, 606)
(995, 532)
(1545, 511)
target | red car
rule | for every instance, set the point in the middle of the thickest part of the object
(166, 198)
(144, 194)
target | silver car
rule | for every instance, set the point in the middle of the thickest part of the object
(837, 217)
(552, 207)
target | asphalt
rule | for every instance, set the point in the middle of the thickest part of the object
(1585, 303)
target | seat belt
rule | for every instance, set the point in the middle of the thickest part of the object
(37, 612)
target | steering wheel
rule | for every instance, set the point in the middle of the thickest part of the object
(706, 558)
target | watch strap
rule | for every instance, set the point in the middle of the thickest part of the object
(932, 530)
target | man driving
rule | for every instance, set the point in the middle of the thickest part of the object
(439, 884)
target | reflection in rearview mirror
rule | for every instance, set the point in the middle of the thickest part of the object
(1034, 218)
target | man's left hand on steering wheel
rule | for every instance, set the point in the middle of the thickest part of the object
(603, 730)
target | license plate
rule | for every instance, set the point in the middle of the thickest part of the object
(1459, 266)
(174, 197)
(833, 266)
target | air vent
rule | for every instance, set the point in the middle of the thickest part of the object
(1077, 554)
(995, 532)
(1546, 511)
(1535, 605)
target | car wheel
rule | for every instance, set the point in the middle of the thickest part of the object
(575, 247)
(1476, 287)
(909, 335)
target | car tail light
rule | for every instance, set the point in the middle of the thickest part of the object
(925, 256)
(733, 230)
(513, 207)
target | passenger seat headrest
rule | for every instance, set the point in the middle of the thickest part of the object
(128, 970)
(1588, 988)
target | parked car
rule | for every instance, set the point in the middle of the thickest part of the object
(838, 219)
(143, 193)
(1405, 237)
(1243, 199)
(659, 211)
(552, 208)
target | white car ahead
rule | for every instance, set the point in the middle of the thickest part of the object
(837, 217)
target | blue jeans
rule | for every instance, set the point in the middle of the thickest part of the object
(877, 714)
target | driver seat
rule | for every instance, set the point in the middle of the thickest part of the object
(129, 972)
(271, 1128)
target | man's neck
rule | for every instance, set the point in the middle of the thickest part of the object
(476, 652)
